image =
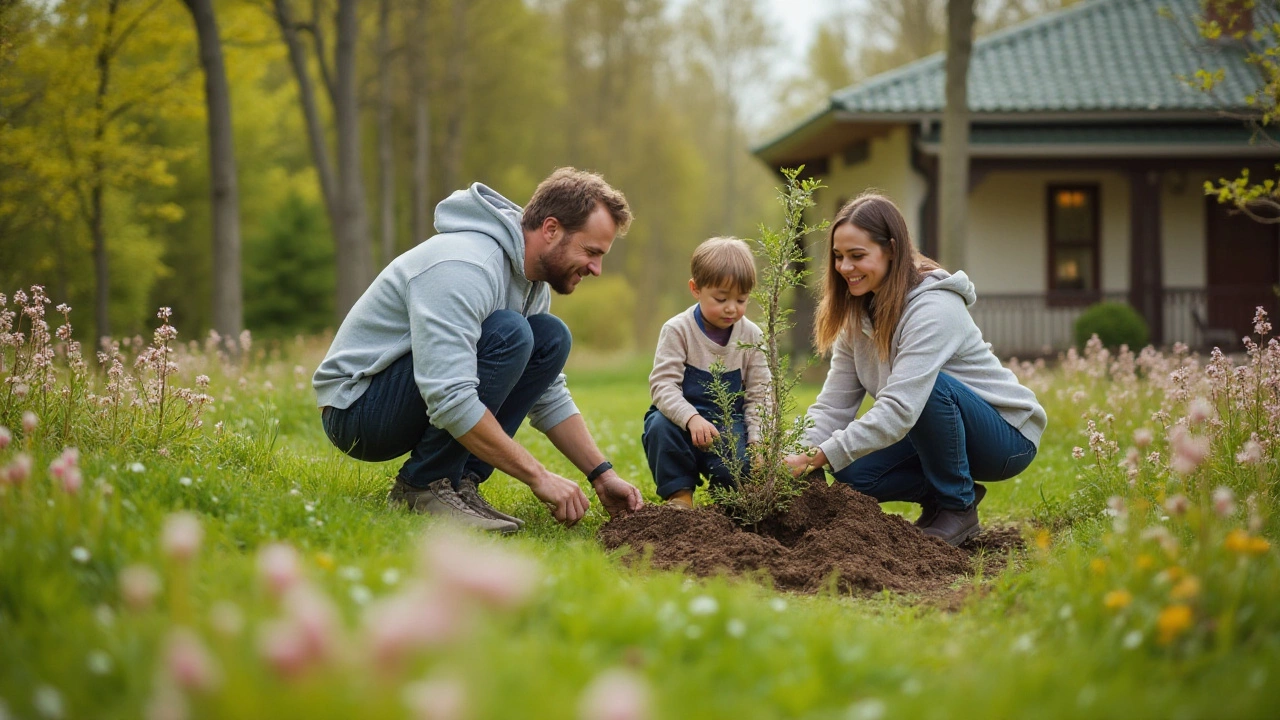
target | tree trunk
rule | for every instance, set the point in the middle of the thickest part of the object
(310, 113)
(954, 161)
(421, 129)
(457, 97)
(354, 257)
(96, 219)
(386, 163)
(228, 299)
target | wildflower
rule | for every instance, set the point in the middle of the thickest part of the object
(1042, 539)
(139, 586)
(168, 703)
(615, 695)
(1115, 506)
(1200, 411)
(80, 554)
(6, 437)
(1142, 437)
(1161, 535)
(1098, 566)
(778, 605)
(1143, 561)
(29, 422)
(390, 576)
(1187, 588)
(278, 567)
(1242, 543)
(487, 574)
(189, 662)
(1250, 454)
(1177, 504)
(1132, 639)
(1188, 451)
(1224, 501)
(419, 617)
(48, 702)
(181, 536)
(137, 467)
(281, 644)
(1172, 622)
(1077, 452)
(323, 559)
(1117, 599)
(98, 662)
(316, 618)
(735, 628)
(19, 468)
(441, 698)
(703, 605)
(1260, 324)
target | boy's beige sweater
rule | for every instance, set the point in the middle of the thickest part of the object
(682, 343)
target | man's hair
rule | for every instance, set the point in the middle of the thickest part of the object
(724, 262)
(570, 196)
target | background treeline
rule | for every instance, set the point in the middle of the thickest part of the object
(352, 119)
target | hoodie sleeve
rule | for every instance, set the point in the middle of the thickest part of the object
(841, 395)
(447, 304)
(666, 381)
(556, 404)
(931, 333)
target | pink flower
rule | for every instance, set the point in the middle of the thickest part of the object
(139, 586)
(615, 695)
(492, 576)
(1250, 454)
(1177, 505)
(1189, 451)
(1200, 411)
(441, 698)
(20, 468)
(189, 662)
(1077, 452)
(315, 618)
(418, 617)
(1142, 437)
(278, 567)
(29, 422)
(181, 536)
(1224, 501)
(282, 645)
(167, 703)
(6, 437)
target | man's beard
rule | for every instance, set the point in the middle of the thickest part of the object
(556, 270)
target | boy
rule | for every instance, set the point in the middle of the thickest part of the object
(683, 420)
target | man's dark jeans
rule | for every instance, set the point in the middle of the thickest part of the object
(517, 359)
(958, 439)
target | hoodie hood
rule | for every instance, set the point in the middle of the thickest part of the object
(957, 283)
(480, 209)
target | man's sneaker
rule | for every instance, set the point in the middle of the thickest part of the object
(469, 491)
(954, 526)
(439, 498)
(929, 508)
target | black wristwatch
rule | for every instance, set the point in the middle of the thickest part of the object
(600, 470)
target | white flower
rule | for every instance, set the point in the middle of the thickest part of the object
(360, 594)
(390, 576)
(703, 605)
(615, 695)
(184, 481)
(867, 709)
(79, 554)
(778, 604)
(48, 702)
(735, 628)
(1132, 639)
(98, 662)
(137, 467)
(181, 536)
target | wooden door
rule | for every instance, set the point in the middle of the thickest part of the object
(1243, 258)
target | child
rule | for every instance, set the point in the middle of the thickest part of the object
(683, 420)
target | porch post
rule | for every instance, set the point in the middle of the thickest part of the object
(1146, 276)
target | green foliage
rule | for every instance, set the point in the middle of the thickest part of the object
(600, 313)
(288, 271)
(1115, 324)
(770, 487)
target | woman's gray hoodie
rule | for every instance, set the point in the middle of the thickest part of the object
(935, 334)
(431, 301)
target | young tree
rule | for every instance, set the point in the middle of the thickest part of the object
(953, 166)
(228, 298)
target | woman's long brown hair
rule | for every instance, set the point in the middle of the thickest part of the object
(880, 218)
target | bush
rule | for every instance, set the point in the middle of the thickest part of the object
(1114, 323)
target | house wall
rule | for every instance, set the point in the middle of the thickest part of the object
(886, 169)
(1182, 223)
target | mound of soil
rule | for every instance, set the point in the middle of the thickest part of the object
(827, 530)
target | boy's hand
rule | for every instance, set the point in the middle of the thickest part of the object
(703, 431)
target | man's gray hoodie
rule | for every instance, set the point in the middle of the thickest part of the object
(936, 334)
(431, 301)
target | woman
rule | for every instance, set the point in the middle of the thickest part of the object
(947, 412)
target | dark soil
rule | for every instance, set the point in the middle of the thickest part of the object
(828, 531)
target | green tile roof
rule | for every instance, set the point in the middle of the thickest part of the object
(1227, 136)
(1098, 56)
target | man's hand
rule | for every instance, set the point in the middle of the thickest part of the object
(617, 495)
(703, 431)
(568, 502)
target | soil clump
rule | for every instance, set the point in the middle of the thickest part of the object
(828, 530)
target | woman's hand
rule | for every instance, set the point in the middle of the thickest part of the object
(805, 464)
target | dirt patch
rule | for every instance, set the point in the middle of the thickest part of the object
(828, 531)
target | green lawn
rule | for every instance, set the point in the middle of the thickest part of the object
(1078, 626)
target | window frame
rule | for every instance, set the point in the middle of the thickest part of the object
(1073, 297)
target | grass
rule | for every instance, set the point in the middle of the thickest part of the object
(1038, 640)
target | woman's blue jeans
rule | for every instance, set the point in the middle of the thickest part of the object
(517, 359)
(958, 439)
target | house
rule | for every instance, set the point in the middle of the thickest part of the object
(1088, 160)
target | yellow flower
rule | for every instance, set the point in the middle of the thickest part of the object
(324, 560)
(1042, 539)
(1258, 546)
(1239, 541)
(1173, 621)
(1098, 566)
(1171, 574)
(1187, 589)
(1117, 599)
(1144, 562)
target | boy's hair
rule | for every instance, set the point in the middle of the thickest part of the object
(724, 262)
(570, 196)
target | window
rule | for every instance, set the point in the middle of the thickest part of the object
(1073, 240)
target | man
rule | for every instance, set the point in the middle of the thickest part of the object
(452, 346)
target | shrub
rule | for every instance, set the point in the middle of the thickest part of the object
(1114, 323)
